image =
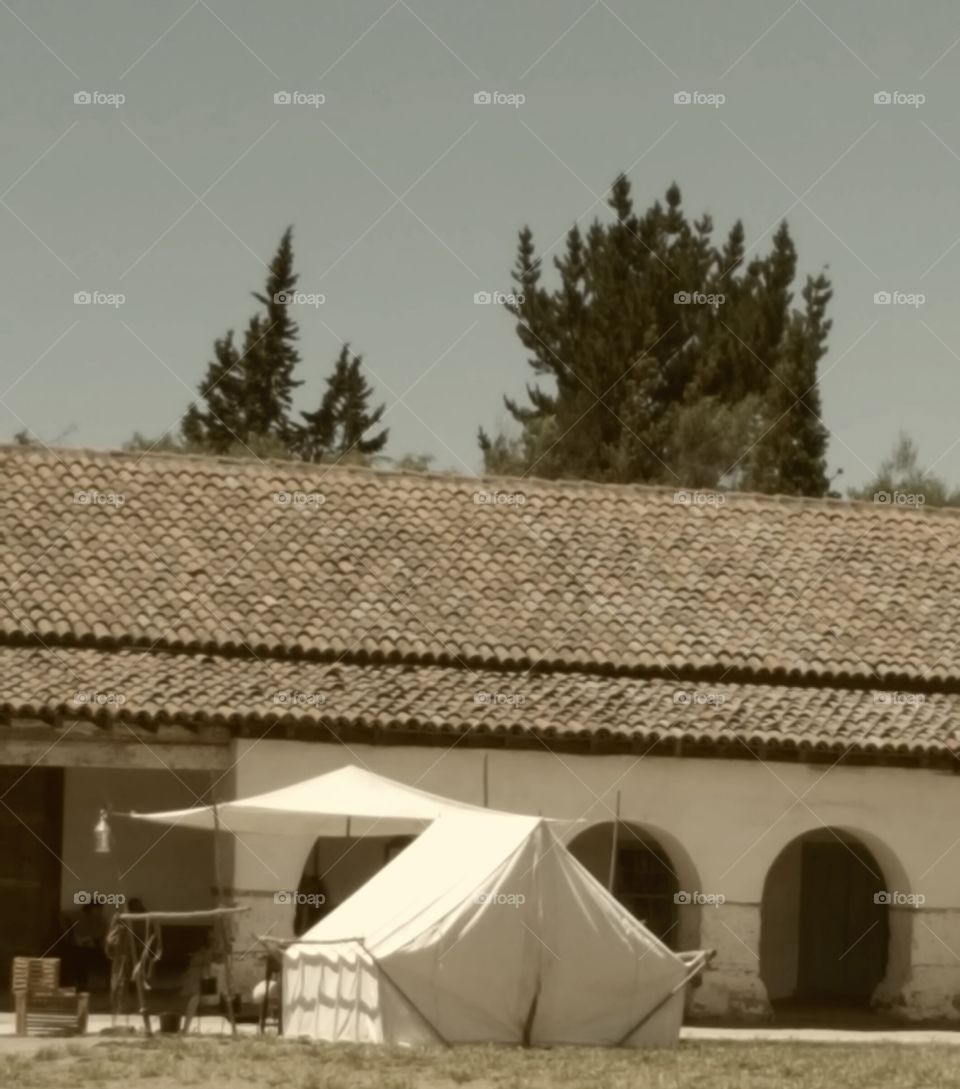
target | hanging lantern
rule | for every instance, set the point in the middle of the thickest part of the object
(102, 835)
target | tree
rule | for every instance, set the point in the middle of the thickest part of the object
(222, 422)
(412, 463)
(902, 481)
(341, 426)
(247, 394)
(670, 360)
(271, 365)
(262, 447)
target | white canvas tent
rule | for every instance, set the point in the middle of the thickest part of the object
(485, 929)
(347, 802)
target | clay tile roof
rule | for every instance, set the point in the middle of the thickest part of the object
(299, 563)
(116, 549)
(320, 699)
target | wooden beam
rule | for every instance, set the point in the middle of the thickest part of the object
(60, 748)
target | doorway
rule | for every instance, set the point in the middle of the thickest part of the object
(31, 834)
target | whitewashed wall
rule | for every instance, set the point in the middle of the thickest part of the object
(724, 822)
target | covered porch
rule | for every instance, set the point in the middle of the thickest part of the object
(57, 891)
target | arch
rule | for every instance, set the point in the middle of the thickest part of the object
(829, 934)
(652, 874)
(336, 866)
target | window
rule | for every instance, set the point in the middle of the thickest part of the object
(646, 885)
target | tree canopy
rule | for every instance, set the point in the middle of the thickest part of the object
(247, 394)
(902, 481)
(669, 358)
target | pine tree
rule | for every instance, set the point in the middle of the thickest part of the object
(269, 369)
(787, 458)
(221, 423)
(664, 353)
(247, 394)
(341, 426)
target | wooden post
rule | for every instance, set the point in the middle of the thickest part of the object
(614, 843)
(226, 940)
(138, 969)
(226, 937)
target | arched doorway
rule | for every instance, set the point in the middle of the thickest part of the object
(648, 878)
(825, 922)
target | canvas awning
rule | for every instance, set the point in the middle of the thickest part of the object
(347, 802)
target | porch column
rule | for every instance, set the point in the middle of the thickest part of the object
(731, 987)
(923, 978)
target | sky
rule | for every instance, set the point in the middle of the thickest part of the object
(171, 187)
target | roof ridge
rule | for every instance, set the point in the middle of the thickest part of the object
(561, 485)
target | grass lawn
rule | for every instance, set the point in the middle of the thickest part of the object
(224, 1064)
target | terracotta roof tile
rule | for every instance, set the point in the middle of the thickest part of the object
(151, 687)
(121, 549)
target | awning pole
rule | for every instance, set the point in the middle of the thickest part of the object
(614, 844)
(225, 934)
(694, 967)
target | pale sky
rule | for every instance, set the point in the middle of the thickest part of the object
(406, 196)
